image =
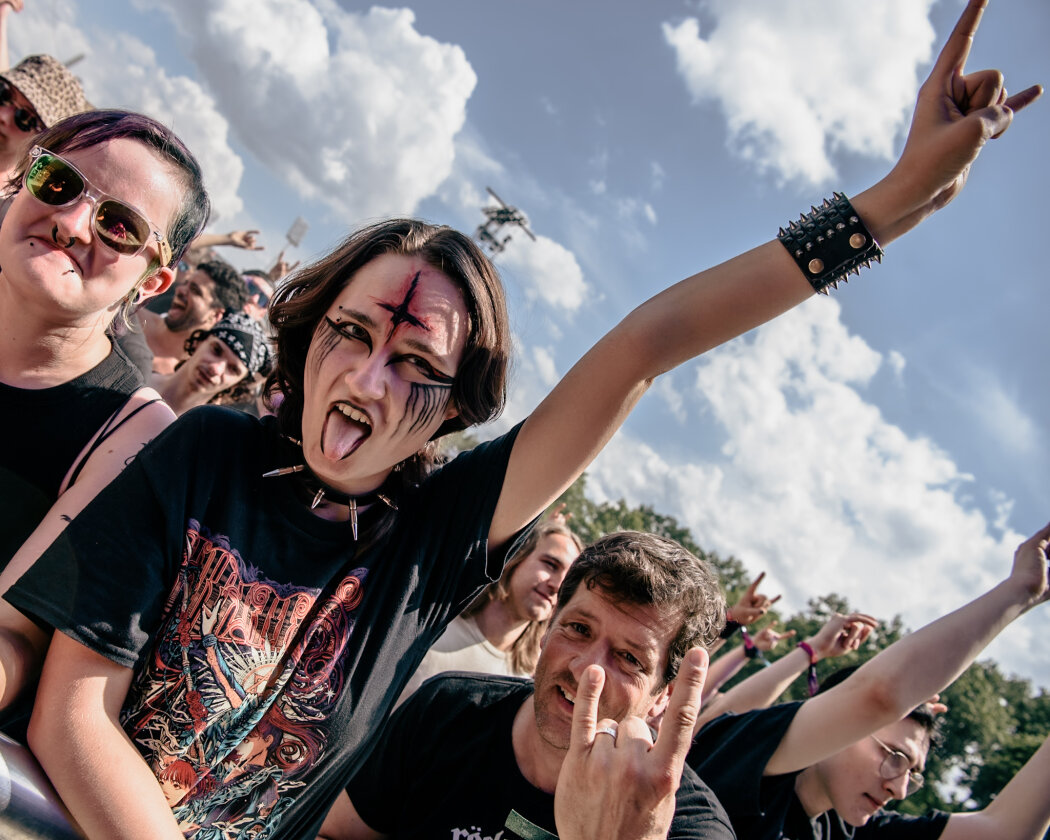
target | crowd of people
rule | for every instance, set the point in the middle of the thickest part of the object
(238, 565)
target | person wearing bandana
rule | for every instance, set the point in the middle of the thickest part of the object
(222, 367)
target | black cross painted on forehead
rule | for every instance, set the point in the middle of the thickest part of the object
(399, 314)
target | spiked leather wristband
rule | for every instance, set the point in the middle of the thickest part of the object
(830, 242)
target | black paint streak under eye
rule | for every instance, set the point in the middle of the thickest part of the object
(327, 342)
(400, 315)
(425, 401)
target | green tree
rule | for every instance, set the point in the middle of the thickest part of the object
(591, 520)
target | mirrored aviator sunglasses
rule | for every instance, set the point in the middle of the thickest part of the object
(25, 120)
(55, 181)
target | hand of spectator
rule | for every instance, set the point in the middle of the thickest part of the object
(955, 115)
(1029, 572)
(752, 604)
(559, 515)
(841, 634)
(768, 638)
(935, 705)
(16, 5)
(245, 239)
(624, 786)
(281, 268)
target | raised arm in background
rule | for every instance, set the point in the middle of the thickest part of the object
(955, 116)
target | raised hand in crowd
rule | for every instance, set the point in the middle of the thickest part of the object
(769, 637)
(752, 605)
(839, 635)
(623, 785)
(282, 268)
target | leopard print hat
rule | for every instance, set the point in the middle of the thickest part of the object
(51, 89)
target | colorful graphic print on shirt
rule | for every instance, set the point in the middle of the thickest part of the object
(230, 708)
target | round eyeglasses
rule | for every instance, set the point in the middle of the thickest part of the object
(896, 764)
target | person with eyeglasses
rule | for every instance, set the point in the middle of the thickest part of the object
(289, 574)
(260, 290)
(99, 211)
(824, 768)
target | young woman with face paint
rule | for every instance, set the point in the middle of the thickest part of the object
(293, 572)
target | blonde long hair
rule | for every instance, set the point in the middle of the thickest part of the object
(525, 651)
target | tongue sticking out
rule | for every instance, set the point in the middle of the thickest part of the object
(341, 435)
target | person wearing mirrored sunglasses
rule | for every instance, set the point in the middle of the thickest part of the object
(98, 212)
(290, 573)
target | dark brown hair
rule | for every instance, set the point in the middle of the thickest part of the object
(637, 568)
(298, 306)
(526, 648)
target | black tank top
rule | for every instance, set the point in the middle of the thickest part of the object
(42, 431)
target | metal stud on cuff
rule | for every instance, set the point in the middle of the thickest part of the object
(829, 243)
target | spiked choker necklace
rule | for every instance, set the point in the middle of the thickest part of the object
(322, 492)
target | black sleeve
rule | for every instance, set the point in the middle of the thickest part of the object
(414, 756)
(889, 824)
(103, 581)
(698, 814)
(730, 755)
(466, 490)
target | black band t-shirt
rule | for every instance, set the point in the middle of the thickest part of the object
(266, 648)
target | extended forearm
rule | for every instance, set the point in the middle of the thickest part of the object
(723, 669)
(103, 780)
(1022, 808)
(924, 662)
(765, 686)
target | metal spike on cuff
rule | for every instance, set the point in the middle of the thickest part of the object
(829, 243)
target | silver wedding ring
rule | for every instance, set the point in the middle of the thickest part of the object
(605, 730)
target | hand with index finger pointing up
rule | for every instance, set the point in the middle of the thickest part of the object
(625, 787)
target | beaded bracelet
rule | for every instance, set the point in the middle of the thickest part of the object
(829, 243)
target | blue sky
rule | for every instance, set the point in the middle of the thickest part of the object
(886, 444)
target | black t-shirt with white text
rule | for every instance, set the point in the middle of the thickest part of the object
(445, 768)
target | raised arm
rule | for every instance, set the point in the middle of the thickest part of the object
(1022, 808)
(955, 116)
(908, 672)
(839, 635)
(76, 735)
(727, 665)
(245, 239)
(752, 605)
(7, 8)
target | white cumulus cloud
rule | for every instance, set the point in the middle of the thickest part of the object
(359, 111)
(814, 485)
(122, 72)
(549, 271)
(794, 80)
